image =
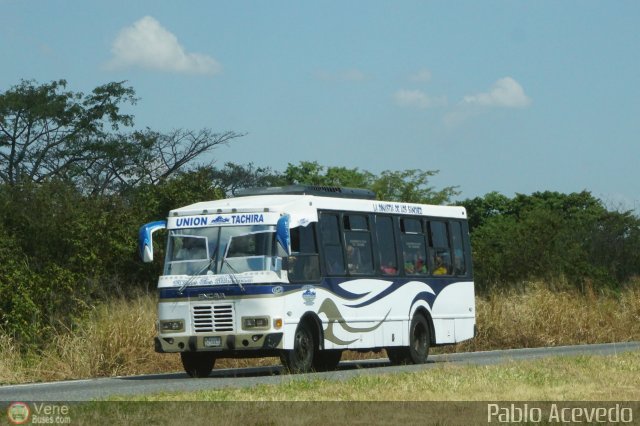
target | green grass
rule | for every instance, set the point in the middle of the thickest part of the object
(446, 394)
(581, 378)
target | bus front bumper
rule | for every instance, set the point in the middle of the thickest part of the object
(219, 343)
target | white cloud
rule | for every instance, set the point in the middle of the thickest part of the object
(421, 76)
(147, 44)
(506, 93)
(416, 99)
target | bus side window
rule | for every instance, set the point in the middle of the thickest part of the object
(331, 246)
(413, 247)
(386, 245)
(303, 262)
(459, 263)
(439, 250)
(358, 244)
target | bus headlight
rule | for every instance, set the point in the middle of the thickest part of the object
(255, 323)
(171, 326)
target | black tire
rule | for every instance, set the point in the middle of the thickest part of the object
(327, 360)
(198, 364)
(301, 358)
(419, 339)
(418, 349)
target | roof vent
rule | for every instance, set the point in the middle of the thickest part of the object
(317, 190)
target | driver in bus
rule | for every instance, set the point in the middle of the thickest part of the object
(191, 249)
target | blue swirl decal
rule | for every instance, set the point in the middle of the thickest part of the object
(331, 285)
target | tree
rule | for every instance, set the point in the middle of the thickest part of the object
(480, 209)
(552, 236)
(46, 131)
(312, 173)
(411, 186)
(148, 157)
(236, 176)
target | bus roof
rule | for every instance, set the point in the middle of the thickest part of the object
(303, 203)
(321, 191)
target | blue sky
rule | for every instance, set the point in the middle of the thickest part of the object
(507, 96)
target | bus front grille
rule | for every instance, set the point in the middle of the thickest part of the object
(212, 318)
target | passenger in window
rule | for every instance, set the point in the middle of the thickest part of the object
(421, 265)
(388, 269)
(414, 264)
(440, 268)
(409, 268)
(409, 265)
(353, 258)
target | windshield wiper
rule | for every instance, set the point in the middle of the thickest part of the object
(233, 274)
(197, 274)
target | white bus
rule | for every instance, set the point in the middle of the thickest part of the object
(305, 273)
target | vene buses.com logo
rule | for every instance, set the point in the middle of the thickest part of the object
(18, 413)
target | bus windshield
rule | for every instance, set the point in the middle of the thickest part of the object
(221, 250)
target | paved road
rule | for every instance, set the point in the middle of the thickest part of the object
(84, 390)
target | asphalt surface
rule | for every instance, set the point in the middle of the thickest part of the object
(97, 389)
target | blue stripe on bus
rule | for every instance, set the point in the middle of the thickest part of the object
(330, 284)
(426, 296)
(436, 285)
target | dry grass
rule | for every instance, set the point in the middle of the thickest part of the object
(12, 367)
(542, 317)
(116, 338)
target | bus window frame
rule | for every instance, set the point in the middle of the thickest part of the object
(465, 254)
(396, 221)
(293, 277)
(344, 216)
(322, 246)
(395, 231)
(401, 247)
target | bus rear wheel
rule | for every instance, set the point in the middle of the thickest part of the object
(301, 358)
(198, 364)
(418, 349)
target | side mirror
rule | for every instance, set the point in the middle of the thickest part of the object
(283, 233)
(145, 239)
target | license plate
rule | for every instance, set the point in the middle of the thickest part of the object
(213, 341)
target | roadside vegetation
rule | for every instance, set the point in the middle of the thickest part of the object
(77, 181)
(447, 394)
(116, 337)
(581, 378)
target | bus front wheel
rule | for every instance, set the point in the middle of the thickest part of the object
(301, 358)
(197, 364)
